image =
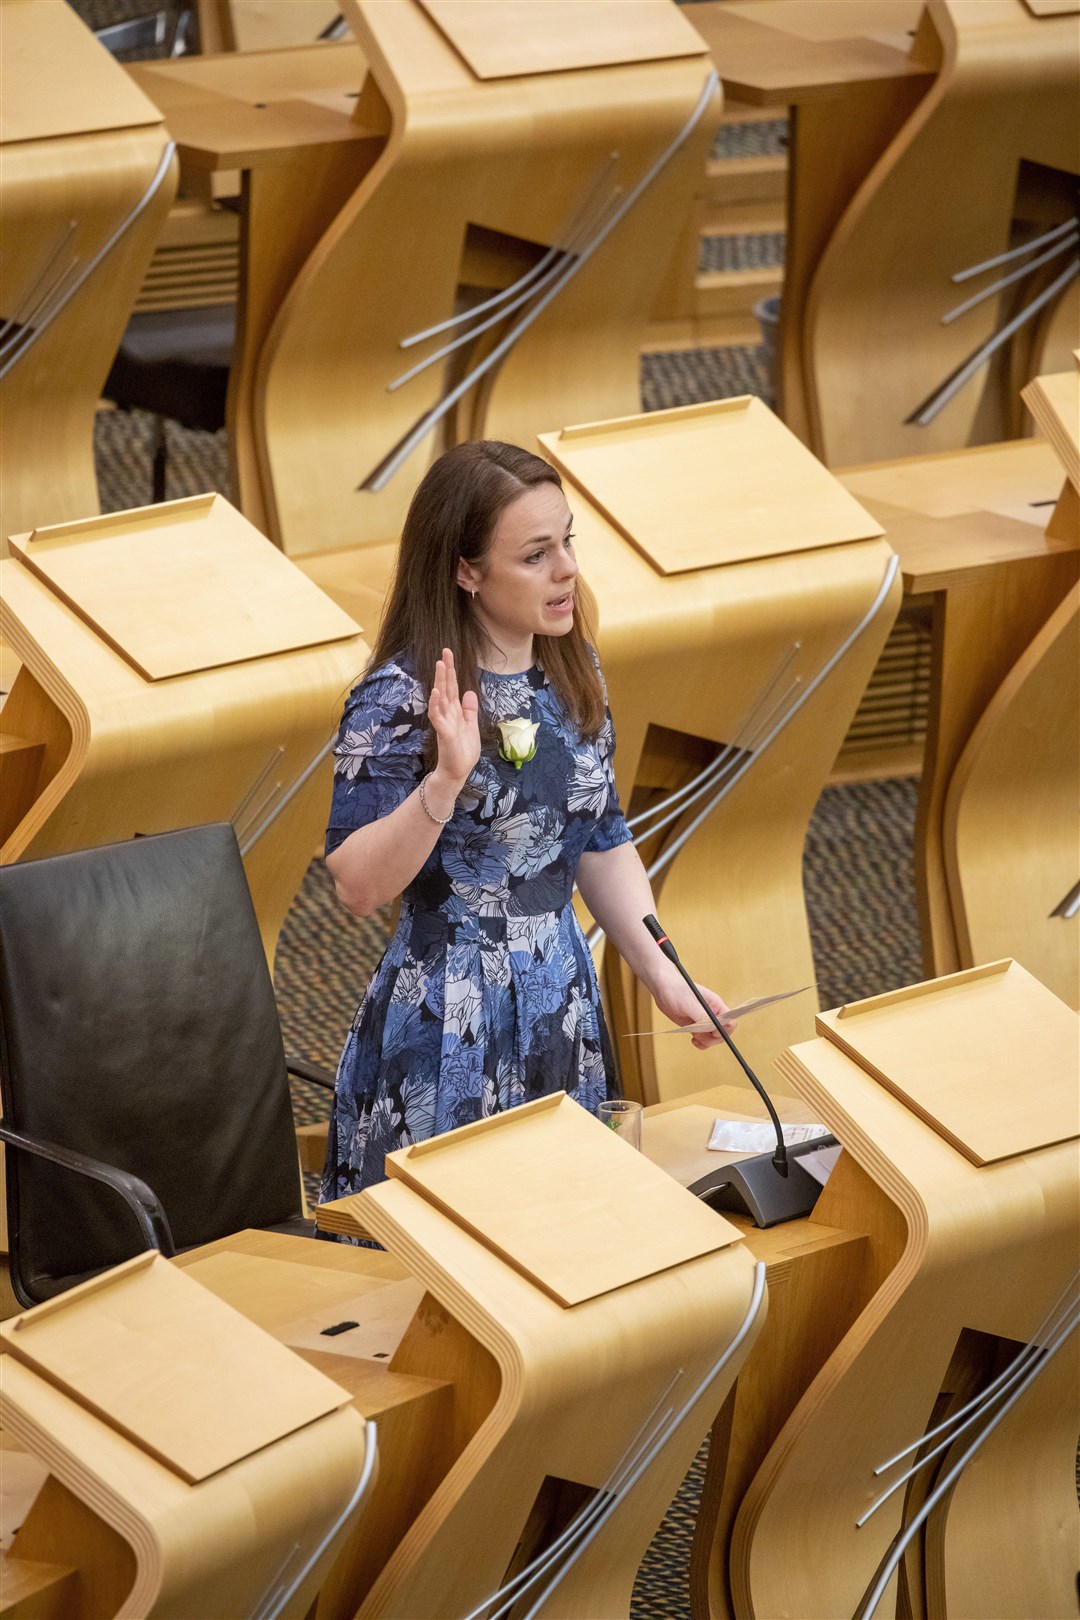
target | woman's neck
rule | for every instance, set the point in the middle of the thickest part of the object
(504, 656)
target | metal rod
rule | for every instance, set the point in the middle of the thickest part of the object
(757, 1294)
(584, 208)
(711, 767)
(945, 1484)
(501, 314)
(27, 302)
(1040, 1332)
(239, 813)
(1015, 253)
(826, 669)
(288, 796)
(267, 802)
(102, 253)
(1069, 905)
(380, 476)
(925, 413)
(23, 336)
(526, 1576)
(979, 1409)
(1008, 281)
(273, 1603)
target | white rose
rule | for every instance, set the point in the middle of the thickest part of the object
(517, 742)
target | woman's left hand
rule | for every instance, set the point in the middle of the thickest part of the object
(676, 1001)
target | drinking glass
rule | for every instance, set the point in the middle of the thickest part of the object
(622, 1116)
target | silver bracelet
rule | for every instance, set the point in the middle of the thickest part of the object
(440, 821)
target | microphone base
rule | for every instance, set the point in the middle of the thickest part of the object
(754, 1187)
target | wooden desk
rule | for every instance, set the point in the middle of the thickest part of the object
(105, 729)
(819, 1276)
(885, 1308)
(86, 179)
(904, 116)
(793, 51)
(970, 531)
(371, 198)
(262, 107)
(414, 1413)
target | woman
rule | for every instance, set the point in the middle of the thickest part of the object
(486, 996)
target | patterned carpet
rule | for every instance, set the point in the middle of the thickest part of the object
(858, 860)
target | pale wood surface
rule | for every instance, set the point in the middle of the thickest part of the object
(514, 38)
(123, 755)
(518, 1181)
(956, 1247)
(538, 1390)
(164, 1363)
(242, 112)
(256, 25)
(517, 157)
(962, 525)
(873, 346)
(955, 516)
(790, 51)
(82, 149)
(686, 658)
(55, 79)
(258, 1273)
(919, 116)
(571, 1389)
(145, 1542)
(1054, 402)
(952, 1048)
(1010, 816)
(183, 586)
(635, 471)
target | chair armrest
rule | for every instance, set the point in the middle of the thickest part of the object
(303, 1070)
(140, 1199)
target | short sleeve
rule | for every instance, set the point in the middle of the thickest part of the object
(378, 755)
(611, 829)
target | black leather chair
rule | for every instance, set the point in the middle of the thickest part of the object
(145, 1087)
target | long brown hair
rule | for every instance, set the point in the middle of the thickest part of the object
(452, 517)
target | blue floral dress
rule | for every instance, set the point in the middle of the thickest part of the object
(486, 996)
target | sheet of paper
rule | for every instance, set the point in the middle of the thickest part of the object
(744, 1136)
(819, 1163)
(743, 1010)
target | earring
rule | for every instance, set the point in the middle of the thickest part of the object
(473, 595)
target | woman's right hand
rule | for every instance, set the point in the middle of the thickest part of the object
(455, 720)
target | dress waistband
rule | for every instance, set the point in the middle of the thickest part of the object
(428, 930)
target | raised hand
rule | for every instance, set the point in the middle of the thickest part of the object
(454, 718)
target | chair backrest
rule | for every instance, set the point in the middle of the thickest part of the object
(138, 1025)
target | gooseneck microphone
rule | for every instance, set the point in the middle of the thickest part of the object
(780, 1156)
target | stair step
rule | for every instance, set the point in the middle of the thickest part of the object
(743, 180)
(762, 218)
(709, 332)
(735, 292)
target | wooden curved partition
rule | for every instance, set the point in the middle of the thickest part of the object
(993, 150)
(146, 1537)
(97, 746)
(958, 1251)
(925, 140)
(87, 179)
(1011, 820)
(476, 176)
(553, 1396)
(743, 601)
(981, 563)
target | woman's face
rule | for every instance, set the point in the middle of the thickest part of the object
(524, 583)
